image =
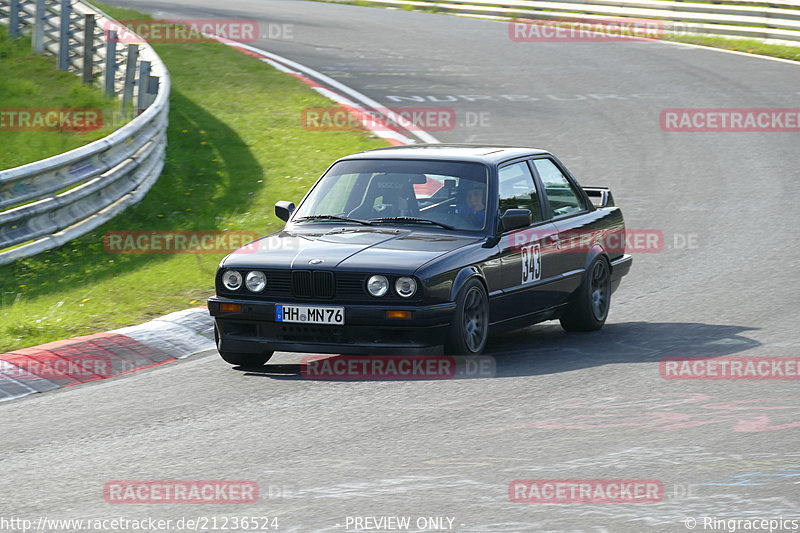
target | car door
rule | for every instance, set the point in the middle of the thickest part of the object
(571, 215)
(527, 254)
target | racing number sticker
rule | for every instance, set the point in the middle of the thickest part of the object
(531, 263)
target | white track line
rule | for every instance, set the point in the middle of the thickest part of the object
(330, 82)
(384, 131)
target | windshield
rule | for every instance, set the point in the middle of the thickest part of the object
(445, 194)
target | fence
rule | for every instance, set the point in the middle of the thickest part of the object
(45, 204)
(765, 19)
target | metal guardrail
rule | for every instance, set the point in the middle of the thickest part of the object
(45, 204)
(766, 19)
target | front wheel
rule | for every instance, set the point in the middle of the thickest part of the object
(589, 308)
(242, 359)
(470, 327)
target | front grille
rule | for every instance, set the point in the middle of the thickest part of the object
(349, 285)
(279, 282)
(301, 284)
(323, 284)
(316, 284)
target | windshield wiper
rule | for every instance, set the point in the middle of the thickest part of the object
(412, 219)
(333, 217)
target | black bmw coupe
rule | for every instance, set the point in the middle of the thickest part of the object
(407, 249)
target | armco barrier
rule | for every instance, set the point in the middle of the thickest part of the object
(45, 204)
(740, 18)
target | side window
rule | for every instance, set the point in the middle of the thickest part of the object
(517, 190)
(560, 193)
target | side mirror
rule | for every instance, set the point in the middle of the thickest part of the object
(284, 209)
(515, 219)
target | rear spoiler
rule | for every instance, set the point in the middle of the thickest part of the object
(600, 196)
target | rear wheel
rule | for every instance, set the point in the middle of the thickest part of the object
(242, 359)
(470, 327)
(589, 309)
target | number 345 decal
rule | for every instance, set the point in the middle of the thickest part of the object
(531, 263)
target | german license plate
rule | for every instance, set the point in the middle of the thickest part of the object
(309, 314)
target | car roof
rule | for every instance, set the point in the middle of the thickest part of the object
(482, 153)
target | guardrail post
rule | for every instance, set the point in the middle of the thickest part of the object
(13, 19)
(144, 84)
(89, 24)
(111, 62)
(38, 28)
(130, 76)
(152, 90)
(64, 34)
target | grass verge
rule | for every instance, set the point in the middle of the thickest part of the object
(30, 81)
(235, 147)
(750, 46)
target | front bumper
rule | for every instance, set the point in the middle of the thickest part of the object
(366, 329)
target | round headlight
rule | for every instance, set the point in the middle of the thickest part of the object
(377, 285)
(255, 281)
(232, 280)
(405, 287)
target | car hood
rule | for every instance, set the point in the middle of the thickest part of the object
(389, 250)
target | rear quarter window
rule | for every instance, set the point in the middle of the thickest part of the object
(561, 194)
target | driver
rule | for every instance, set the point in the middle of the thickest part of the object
(473, 210)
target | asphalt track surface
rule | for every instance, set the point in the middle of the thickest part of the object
(560, 406)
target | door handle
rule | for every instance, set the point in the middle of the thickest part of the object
(552, 239)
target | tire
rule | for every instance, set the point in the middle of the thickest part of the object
(589, 308)
(242, 359)
(470, 328)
